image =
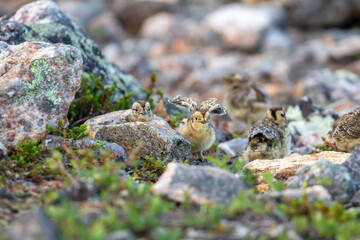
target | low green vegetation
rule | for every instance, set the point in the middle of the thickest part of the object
(76, 133)
(151, 89)
(319, 221)
(274, 185)
(94, 99)
(325, 147)
(174, 122)
(122, 204)
(149, 170)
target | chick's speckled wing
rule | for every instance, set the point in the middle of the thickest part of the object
(207, 104)
(348, 126)
(185, 102)
(267, 128)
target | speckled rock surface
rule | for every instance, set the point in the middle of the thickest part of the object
(341, 187)
(45, 21)
(147, 139)
(38, 81)
(286, 167)
(113, 119)
(352, 164)
(202, 184)
(56, 142)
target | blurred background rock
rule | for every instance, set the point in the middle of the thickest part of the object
(292, 47)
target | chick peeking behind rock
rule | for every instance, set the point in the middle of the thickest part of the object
(197, 129)
(140, 112)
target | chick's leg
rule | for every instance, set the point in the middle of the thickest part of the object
(200, 156)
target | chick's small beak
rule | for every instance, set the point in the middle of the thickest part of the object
(204, 121)
(143, 113)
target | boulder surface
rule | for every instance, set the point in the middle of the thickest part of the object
(38, 81)
(201, 184)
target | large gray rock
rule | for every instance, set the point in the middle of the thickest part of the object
(38, 81)
(113, 119)
(201, 184)
(341, 187)
(352, 164)
(321, 13)
(45, 21)
(244, 26)
(147, 139)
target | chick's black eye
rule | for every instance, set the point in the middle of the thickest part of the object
(196, 118)
(283, 115)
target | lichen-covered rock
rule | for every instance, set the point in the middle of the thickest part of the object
(341, 187)
(200, 184)
(307, 126)
(313, 123)
(286, 167)
(147, 139)
(45, 21)
(56, 142)
(38, 81)
(113, 119)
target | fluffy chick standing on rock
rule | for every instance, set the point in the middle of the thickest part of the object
(245, 100)
(270, 138)
(197, 129)
(140, 112)
(345, 131)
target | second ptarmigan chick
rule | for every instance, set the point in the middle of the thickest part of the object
(345, 131)
(270, 138)
(198, 129)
